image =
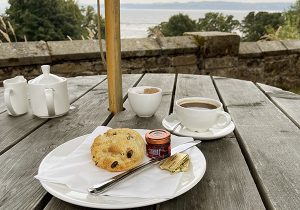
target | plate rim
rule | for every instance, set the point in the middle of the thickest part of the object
(204, 138)
(48, 186)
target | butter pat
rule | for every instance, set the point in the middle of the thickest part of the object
(176, 163)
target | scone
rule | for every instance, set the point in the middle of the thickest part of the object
(118, 149)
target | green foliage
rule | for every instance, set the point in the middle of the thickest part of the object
(255, 25)
(290, 29)
(217, 22)
(45, 19)
(295, 11)
(177, 25)
(90, 22)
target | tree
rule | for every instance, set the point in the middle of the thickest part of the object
(295, 11)
(176, 25)
(46, 19)
(90, 22)
(291, 26)
(217, 22)
(255, 25)
(289, 30)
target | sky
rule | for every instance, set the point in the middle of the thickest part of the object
(165, 1)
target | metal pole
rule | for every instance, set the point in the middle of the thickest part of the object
(113, 55)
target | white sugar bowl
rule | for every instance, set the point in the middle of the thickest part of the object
(48, 94)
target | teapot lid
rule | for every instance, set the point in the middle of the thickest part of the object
(46, 78)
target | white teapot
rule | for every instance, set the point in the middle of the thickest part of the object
(48, 94)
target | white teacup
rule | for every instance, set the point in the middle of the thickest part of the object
(200, 114)
(144, 105)
(15, 95)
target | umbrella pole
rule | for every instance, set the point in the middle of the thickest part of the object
(113, 55)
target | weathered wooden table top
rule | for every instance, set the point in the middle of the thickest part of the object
(256, 167)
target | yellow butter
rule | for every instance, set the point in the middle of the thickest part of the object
(176, 163)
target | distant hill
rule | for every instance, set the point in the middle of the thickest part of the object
(208, 5)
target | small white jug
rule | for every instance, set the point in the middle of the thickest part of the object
(15, 95)
(48, 94)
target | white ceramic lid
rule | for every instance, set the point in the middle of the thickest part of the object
(15, 80)
(46, 78)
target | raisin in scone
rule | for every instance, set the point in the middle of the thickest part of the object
(118, 149)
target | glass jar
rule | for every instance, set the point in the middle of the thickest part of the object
(158, 144)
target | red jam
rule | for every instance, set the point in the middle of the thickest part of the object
(158, 144)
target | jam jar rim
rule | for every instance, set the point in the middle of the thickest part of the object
(164, 140)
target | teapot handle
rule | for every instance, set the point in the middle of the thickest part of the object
(7, 94)
(49, 93)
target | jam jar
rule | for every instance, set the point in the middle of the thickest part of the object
(158, 144)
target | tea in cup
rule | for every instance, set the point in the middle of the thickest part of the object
(200, 114)
(144, 100)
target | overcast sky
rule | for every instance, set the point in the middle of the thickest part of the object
(152, 1)
(157, 1)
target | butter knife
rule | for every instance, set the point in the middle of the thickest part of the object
(104, 186)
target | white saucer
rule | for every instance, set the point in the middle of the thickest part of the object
(170, 121)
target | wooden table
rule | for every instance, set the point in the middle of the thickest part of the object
(256, 167)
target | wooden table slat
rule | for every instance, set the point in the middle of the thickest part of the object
(288, 102)
(268, 139)
(14, 129)
(227, 182)
(19, 189)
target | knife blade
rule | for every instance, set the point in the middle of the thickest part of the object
(104, 186)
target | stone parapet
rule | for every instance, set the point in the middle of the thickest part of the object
(249, 50)
(222, 62)
(21, 53)
(139, 47)
(215, 53)
(293, 46)
(216, 44)
(178, 45)
(271, 48)
(74, 50)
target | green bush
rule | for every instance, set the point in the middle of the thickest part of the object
(217, 22)
(176, 26)
(255, 25)
(290, 29)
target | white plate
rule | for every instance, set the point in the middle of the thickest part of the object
(189, 180)
(170, 121)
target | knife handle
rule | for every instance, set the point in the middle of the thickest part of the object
(102, 187)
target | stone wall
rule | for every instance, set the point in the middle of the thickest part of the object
(276, 63)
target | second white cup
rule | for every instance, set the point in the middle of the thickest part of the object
(144, 104)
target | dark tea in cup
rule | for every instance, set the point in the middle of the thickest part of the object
(198, 105)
